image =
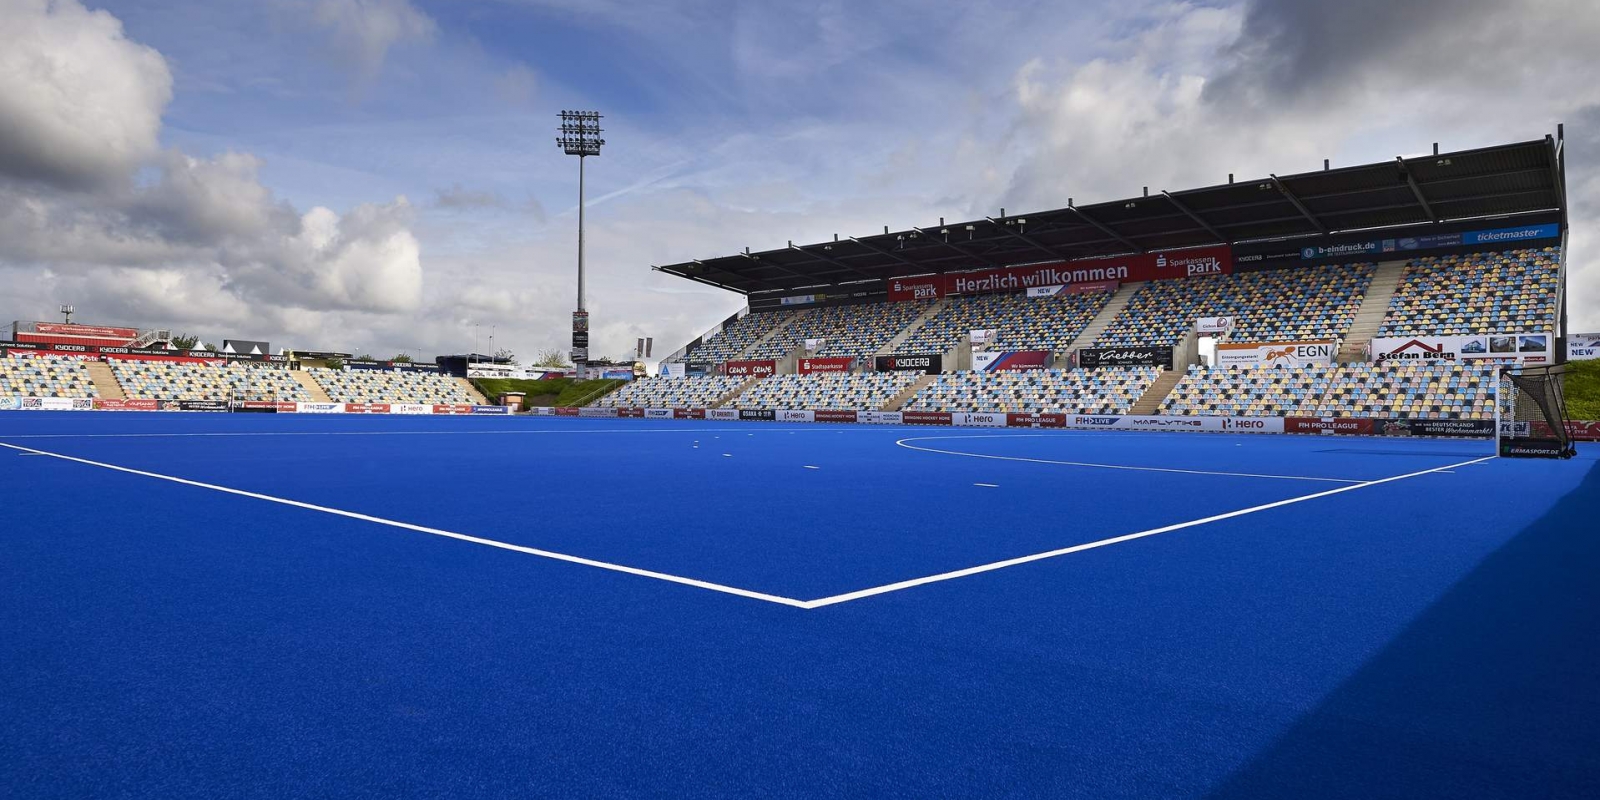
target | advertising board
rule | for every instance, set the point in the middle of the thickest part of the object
(1010, 360)
(1276, 354)
(1530, 348)
(929, 363)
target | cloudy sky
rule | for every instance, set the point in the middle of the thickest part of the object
(381, 175)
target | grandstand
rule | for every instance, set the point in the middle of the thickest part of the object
(1390, 390)
(1020, 322)
(1306, 303)
(835, 390)
(169, 380)
(45, 377)
(737, 337)
(387, 386)
(1515, 291)
(857, 331)
(1077, 391)
(698, 392)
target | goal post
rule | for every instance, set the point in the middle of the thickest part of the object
(1531, 412)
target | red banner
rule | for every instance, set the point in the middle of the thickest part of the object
(64, 329)
(127, 405)
(451, 408)
(1089, 274)
(927, 287)
(688, 413)
(833, 416)
(1036, 420)
(838, 364)
(631, 413)
(1327, 425)
(566, 412)
(925, 417)
(366, 408)
(759, 369)
(1092, 286)
(1579, 430)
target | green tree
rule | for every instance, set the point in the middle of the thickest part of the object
(552, 358)
(505, 355)
(401, 358)
(365, 357)
(184, 341)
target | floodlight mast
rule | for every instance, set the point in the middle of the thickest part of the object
(580, 136)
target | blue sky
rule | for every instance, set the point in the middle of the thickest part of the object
(729, 125)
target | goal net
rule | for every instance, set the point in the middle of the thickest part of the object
(1532, 413)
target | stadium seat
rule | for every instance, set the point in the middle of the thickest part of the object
(833, 390)
(389, 386)
(1020, 322)
(675, 392)
(1277, 305)
(1076, 391)
(1479, 293)
(857, 331)
(45, 377)
(1439, 390)
(170, 380)
(732, 340)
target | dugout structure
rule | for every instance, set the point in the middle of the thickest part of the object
(1533, 413)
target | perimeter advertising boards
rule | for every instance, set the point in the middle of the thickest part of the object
(1010, 360)
(1193, 262)
(1531, 348)
(929, 363)
(832, 364)
(759, 369)
(1583, 346)
(1133, 356)
(1276, 354)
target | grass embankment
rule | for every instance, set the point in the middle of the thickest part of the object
(1583, 389)
(553, 392)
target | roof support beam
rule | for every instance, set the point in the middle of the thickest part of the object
(1416, 191)
(698, 279)
(963, 251)
(1105, 230)
(1191, 215)
(1301, 207)
(920, 268)
(703, 265)
(1036, 244)
(830, 259)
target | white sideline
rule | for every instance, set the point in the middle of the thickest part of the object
(733, 590)
(902, 443)
(532, 551)
(1012, 562)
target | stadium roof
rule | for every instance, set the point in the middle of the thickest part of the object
(1503, 180)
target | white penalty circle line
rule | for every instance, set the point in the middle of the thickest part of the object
(902, 443)
(733, 590)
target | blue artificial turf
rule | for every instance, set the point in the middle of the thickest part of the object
(1436, 636)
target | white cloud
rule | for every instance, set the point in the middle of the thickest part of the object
(363, 31)
(147, 233)
(81, 104)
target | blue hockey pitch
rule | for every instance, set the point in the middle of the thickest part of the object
(243, 605)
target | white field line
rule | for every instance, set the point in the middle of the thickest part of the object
(532, 551)
(717, 587)
(1012, 562)
(903, 443)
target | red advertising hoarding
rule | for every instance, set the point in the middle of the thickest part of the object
(127, 405)
(366, 408)
(451, 408)
(837, 364)
(1015, 420)
(833, 416)
(927, 287)
(1327, 425)
(97, 331)
(1098, 273)
(566, 412)
(925, 417)
(630, 413)
(759, 369)
(688, 413)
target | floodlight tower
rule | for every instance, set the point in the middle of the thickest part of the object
(580, 136)
(67, 312)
